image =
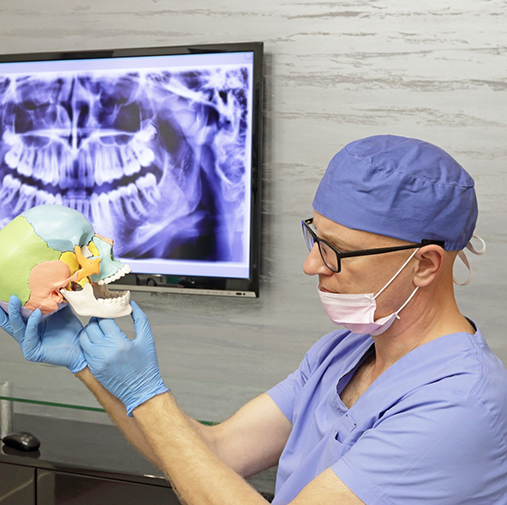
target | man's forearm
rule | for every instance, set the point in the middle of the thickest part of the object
(195, 471)
(117, 412)
(128, 425)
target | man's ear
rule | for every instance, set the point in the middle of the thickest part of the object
(431, 261)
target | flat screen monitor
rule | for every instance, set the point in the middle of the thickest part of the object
(159, 148)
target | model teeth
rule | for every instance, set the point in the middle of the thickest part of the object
(96, 300)
(103, 295)
(118, 275)
(119, 298)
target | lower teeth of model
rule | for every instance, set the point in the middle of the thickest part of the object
(115, 298)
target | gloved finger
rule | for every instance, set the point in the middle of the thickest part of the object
(5, 323)
(111, 330)
(141, 322)
(84, 341)
(137, 313)
(68, 316)
(15, 319)
(94, 333)
(32, 338)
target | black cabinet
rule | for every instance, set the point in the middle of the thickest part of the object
(20, 485)
(78, 464)
(17, 485)
(60, 488)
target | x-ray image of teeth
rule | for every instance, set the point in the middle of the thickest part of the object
(157, 160)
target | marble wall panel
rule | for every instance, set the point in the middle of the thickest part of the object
(334, 72)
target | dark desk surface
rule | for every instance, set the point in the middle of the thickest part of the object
(95, 450)
(85, 448)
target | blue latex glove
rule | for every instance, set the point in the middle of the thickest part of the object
(128, 369)
(5, 324)
(55, 340)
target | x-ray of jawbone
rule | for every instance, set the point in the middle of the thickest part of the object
(155, 160)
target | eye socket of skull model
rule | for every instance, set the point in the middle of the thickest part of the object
(49, 256)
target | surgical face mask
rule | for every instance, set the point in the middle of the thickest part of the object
(357, 312)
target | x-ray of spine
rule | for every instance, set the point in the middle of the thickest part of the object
(155, 159)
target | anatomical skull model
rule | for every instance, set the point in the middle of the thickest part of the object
(50, 255)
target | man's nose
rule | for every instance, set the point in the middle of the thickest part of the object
(314, 264)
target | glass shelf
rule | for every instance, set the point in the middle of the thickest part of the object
(68, 406)
(51, 404)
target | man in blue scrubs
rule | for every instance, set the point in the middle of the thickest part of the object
(406, 405)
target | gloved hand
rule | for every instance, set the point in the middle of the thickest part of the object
(5, 324)
(128, 369)
(55, 340)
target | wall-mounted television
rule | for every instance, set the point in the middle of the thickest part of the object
(160, 148)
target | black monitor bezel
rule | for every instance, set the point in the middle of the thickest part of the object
(242, 287)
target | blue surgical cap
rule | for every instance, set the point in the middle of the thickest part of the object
(402, 188)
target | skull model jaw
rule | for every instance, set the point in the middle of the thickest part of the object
(50, 254)
(96, 300)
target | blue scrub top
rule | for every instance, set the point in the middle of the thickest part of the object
(432, 428)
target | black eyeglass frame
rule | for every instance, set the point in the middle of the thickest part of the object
(364, 252)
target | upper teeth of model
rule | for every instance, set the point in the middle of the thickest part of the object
(118, 275)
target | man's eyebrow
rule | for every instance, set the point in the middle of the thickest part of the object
(336, 242)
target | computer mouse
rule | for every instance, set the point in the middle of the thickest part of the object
(22, 441)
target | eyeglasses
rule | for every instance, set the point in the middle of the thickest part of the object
(332, 257)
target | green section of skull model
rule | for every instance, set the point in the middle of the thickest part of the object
(50, 256)
(20, 250)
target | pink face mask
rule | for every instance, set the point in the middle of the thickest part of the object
(357, 312)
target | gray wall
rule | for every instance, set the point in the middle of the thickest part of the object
(334, 72)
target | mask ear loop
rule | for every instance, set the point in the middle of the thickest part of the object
(403, 306)
(464, 259)
(392, 279)
(396, 275)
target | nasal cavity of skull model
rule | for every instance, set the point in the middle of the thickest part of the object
(51, 255)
